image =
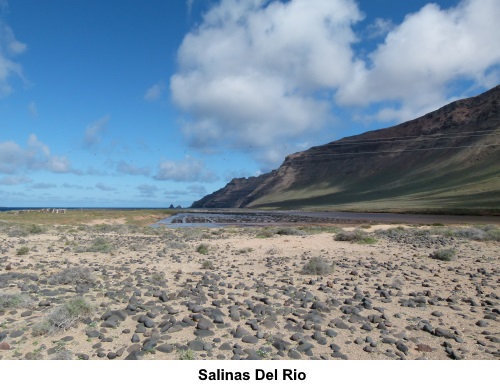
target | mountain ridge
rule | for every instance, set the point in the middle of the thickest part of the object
(447, 159)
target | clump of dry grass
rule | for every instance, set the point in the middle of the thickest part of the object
(64, 317)
(13, 301)
(444, 254)
(73, 276)
(318, 266)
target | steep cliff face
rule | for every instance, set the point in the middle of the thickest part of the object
(234, 194)
(449, 158)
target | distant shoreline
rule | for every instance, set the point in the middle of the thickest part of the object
(2, 209)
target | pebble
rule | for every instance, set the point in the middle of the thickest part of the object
(196, 345)
(249, 339)
(165, 348)
(4, 346)
(16, 334)
(294, 354)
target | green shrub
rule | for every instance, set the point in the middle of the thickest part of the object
(23, 251)
(289, 231)
(207, 264)
(358, 236)
(99, 244)
(265, 233)
(186, 354)
(244, 250)
(202, 249)
(318, 266)
(444, 254)
(36, 229)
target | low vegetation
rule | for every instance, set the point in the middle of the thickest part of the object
(73, 276)
(265, 233)
(358, 236)
(444, 254)
(139, 218)
(24, 250)
(202, 249)
(290, 231)
(207, 264)
(186, 354)
(64, 316)
(243, 251)
(474, 233)
(318, 266)
(14, 301)
(99, 244)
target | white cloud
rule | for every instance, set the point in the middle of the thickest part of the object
(36, 156)
(43, 186)
(147, 191)
(131, 169)
(33, 109)
(189, 5)
(187, 170)
(104, 187)
(379, 28)
(155, 92)
(253, 71)
(76, 186)
(256, 74)
(197, 190)
(425, 54)
(10, 47)
(93, 132)
(14, 180)
(175, 193)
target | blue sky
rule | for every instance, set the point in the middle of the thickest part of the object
(127, 103)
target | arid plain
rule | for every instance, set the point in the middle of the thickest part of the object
(108, 286)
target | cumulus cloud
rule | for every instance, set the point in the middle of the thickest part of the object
(36, 156)
(421, 58)
(131, 169)
(94, 131)
(187, 170)
(254, 74)
(10, 47)
(253, 71)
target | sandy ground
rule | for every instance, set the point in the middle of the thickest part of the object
(154, 296)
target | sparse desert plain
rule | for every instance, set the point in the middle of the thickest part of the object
(108, 286)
